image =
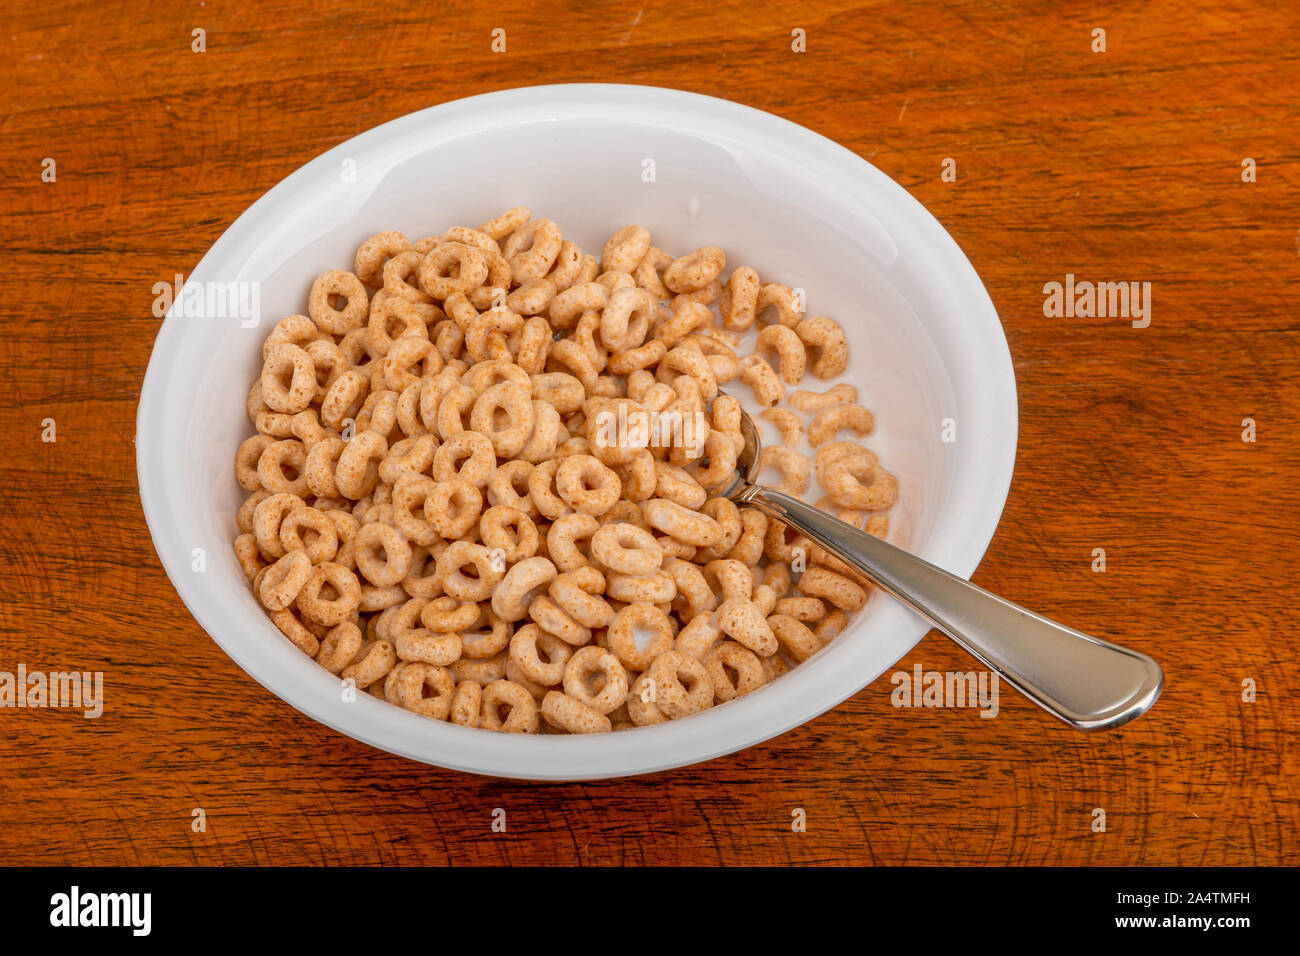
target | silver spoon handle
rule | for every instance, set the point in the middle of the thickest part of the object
(1087, 682)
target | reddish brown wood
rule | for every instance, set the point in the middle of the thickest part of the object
(1122, 165)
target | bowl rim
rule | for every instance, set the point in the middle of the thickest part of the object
(958, 545)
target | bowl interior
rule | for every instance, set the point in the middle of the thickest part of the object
(925, 346)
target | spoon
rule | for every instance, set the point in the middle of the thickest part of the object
(1087, 682)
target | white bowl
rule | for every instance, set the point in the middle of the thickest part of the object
(926, 345)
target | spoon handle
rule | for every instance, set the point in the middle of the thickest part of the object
(1087, 682)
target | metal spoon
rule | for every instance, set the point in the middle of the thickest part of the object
(1087, 682)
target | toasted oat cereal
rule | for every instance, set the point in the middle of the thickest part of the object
(487, 475)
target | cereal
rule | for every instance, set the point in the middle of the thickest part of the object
(827, 423)
(508, 707)
(435, 511)
(562, 711)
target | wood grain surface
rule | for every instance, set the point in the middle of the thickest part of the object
(1114, 166)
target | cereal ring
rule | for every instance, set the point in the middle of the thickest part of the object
(357, 472)
(453, 507)
(268, 515)
(694, 595)
(371, 255)
(482, 644)
(568, 306)
(422, 580)
(826, 347)
(585, 485)
(743, 622)
(699, 636)
(621, 637)
(246, 459)
(786, 422)
(627, 549)
(343, 399)
(506, 223)
(560, 390)
(833, 588)
(541, 488)
(296, 330)
(467, 456)
(346, 527)
(717, 469)
(830, 628)
(762, 379)
(827, 423)
(739, 300)
(282, 581)
(383, 554)
(801, 608)
(484, 671)
(321, 542)
(244, 517)
(682, 685)
(594, 677)
(812, 402)
(296, 632)
(339, 647)
(641, 705)
(280, 467)
(249, 557)
(329, 363)
(773, 295)
(578, 594)
(509, 531)
(452, 267)
(398, 272)
(527, 647)
(563, 537)
(678, 486)
(408, 458)
(521, 584)
(681, 523)
(649, 273)
(553, 619)
(565, 713)
(544, 441)
(567, 267)
(509, 707)
(794, 637)
(861, 483)
(466, 704)
(418, 644)
(508, 487)
(381, 599)
(373, 664)
(409, 685)
(333, 285)
(334, 607)
(692, 364)
(532, 249)
(625, 249)
(695, 270)
(288, 379)
(532, 298)
(509, 402)
(780, 346)
(445, 615)
(733, 671)
(626, 319)
(451, 567)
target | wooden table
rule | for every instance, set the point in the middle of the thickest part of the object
(1114, 166)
